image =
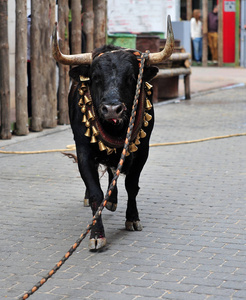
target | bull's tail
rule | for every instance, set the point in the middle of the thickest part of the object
(71, 155)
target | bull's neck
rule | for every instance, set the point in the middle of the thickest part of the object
(95, 130)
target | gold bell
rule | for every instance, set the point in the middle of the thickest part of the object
(127, 153)
(90, 115)
(101, 146)
(82, 78)
(88, 132)
(148, 104)
(80, 102)
(148, 117)
(84, 120)
(87, 124)
(81, 92)
(149, 92)
(142, 134)
(133, 147)
(109, 150)
(94, 131)
(87, 100)
(83, 85)
(146, 123)
(83, 109)
(149, 86)
(137, 142)
(93, 139)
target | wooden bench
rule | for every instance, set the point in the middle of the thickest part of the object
(178, 64)
(165, 84)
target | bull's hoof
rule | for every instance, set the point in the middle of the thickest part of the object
(96, 244)
(135, 225)
(111, 206)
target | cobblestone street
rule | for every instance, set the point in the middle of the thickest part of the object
(192, 205)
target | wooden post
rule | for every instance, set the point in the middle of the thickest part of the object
(76, 26)
(188, 9)
(36, 79)
(205, 33)
(88, 23)
(187, 86)
(52, 92)
(21, 69)
(48, 66)
(99, 22)
(4, 72)
(63, 70)
(220, 34)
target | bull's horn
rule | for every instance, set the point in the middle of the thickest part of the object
(155, 58)
(75, 59)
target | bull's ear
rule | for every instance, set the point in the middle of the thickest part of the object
(79, 70)
(150, 72)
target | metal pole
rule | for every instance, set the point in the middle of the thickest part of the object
(220, 34)
(237, 40)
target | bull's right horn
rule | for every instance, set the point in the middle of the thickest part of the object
(155, 58)
(75, 59)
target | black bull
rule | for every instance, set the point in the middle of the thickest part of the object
(100, 104)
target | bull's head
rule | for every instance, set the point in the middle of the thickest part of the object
(113, 75)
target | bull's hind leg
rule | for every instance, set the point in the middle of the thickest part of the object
(112, 203)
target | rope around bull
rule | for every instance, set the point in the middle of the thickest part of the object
(72, 147)
(109, 191)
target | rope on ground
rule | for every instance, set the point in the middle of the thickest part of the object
(72, 147)
(200, 140)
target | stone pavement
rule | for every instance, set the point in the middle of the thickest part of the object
(191, 204)
(204, 79)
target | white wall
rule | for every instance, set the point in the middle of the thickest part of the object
(138, 16)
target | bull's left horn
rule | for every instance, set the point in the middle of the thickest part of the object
(75, 59)
(155, 58)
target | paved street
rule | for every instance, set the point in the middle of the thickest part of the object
(191, 204)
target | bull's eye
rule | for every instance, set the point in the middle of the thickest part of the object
(97, 79)
(131, 79)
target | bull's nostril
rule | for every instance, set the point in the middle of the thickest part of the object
(119, 109)
(104, 110)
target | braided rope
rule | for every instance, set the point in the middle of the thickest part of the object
(72, 147)
(109, 191)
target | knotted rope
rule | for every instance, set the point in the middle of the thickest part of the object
(109, 191)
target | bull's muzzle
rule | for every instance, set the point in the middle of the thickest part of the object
(112, 113)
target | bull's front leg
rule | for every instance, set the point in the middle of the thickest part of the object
(89, 173)
(132, 188)
(132, 217)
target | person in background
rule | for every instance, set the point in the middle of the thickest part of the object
(196, 34)
(213, 33)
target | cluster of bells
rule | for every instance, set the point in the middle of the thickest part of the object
(87, 109)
